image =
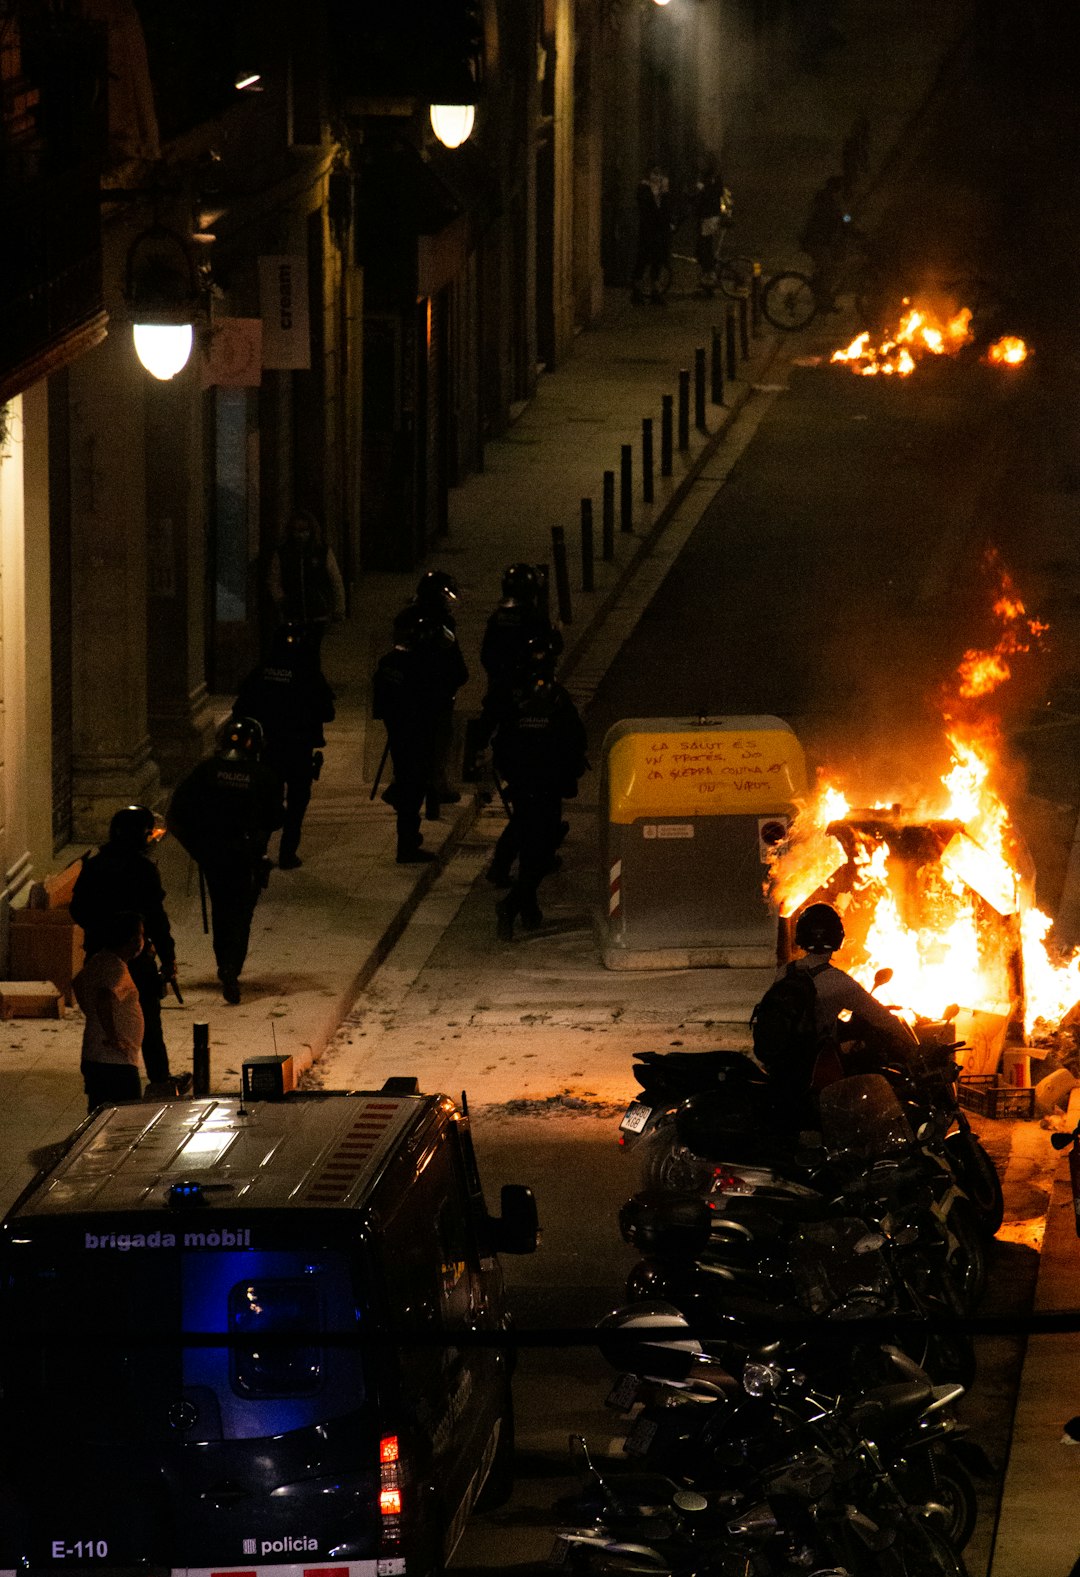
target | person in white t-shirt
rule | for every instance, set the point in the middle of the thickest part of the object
(109, 998)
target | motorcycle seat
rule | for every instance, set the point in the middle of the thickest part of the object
(891, 1405)
(688, 1071)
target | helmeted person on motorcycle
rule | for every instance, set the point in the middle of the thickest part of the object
(819, 931)
(799, 1038)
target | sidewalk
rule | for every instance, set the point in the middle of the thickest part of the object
(321, 932)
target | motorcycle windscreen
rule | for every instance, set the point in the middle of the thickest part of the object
(140, 1380)
(861, 1117)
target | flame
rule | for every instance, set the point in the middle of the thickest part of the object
(939, 892)
(1009, 351)
(919, 333)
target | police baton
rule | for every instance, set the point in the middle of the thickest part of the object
(202, 900)
(175, 989)
(379, 773)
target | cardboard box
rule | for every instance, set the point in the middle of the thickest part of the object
(46, 944)
(30, 999)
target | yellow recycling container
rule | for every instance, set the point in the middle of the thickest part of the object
(689, 809)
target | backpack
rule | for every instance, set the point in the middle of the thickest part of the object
(784, 1025)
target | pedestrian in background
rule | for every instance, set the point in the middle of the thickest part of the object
(539, 750)
(406, 698)
(436, 596)
(655, 226)
(289, 696)
(109, 998)
(122, 878)
(711, 208)
(304, 581)
(223, 813)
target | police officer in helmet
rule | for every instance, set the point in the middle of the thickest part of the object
(223, 813)
(435, 600)
(519, 619)
(407, 700)
(539, 750)
(121, 878)
(289, 696)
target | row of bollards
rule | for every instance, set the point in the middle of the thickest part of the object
(730, 344)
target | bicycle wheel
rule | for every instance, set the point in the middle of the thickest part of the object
(788, 301)
(734, 274)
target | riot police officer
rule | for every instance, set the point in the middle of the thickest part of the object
(405, 698)
(520, 618)
(122, 878)
(436, 595)
(290, 698)
(223, 813)
(539, 750)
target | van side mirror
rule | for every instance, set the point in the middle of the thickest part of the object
(517, 1229)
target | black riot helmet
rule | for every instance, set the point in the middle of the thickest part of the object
(241, 740)
(819, 929)
(436, 589)
(412, 625)
(520, 583)
(134, 827)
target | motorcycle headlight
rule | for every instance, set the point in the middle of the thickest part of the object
(760, 1379)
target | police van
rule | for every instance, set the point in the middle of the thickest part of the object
(261, 1339)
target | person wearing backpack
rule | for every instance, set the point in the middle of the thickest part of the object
(796, 1025)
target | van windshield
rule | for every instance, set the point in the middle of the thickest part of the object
(137, 1343)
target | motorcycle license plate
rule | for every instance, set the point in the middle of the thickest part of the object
(560, 1553)
(623, 1393)
(639, 1441)
(635, 1117)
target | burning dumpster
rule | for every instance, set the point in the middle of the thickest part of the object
(690, 810)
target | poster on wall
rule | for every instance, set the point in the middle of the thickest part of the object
(283, 301)
(232, 356)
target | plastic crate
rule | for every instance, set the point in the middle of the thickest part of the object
(981, 1092)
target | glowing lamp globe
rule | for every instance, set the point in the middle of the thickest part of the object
(163, 348)
(452, 123)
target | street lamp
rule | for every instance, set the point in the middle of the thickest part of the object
(452, 123)
(163, 300)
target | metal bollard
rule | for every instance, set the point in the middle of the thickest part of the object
(717, 366)
(626, 488)
(587, 554)
(744, 328)
(729, 345)
(562, 574)
(200, 1059)
(607, 524)
(684, 410)
(666, 405)
(755, 300)
(646, 460)
(699, 390)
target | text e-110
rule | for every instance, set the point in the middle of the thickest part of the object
(80, 1550)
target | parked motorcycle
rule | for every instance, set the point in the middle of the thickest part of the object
(868, 1164)
(810, 1493)
(731, 1118)
(690, 1420)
